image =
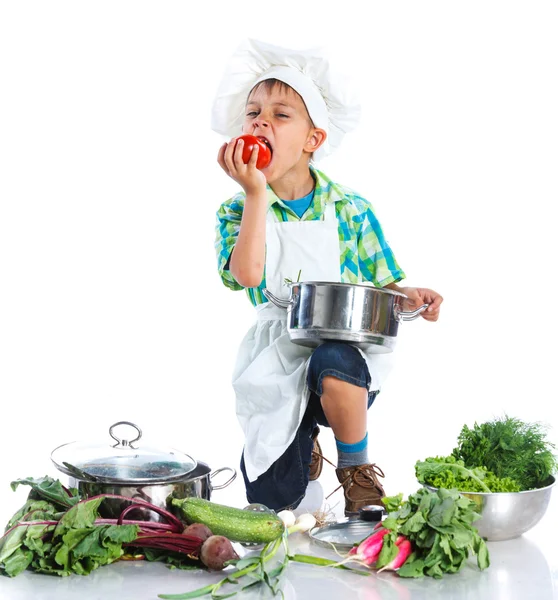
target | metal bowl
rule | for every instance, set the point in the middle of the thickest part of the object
(507, 515)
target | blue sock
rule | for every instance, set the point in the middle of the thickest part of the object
(349, 455)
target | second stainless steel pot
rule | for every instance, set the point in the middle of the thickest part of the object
(363, 315)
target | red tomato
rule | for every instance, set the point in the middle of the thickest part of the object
(264, 153)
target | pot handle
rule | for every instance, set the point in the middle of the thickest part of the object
(124, 443)
(402, 315)
(277, 301)
(228, 482)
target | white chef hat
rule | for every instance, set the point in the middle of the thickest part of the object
(327, 98)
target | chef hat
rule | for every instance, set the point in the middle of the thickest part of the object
(308, 72)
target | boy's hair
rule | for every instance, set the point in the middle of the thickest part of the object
(270, 84)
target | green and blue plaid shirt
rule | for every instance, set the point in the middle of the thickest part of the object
(364, 253)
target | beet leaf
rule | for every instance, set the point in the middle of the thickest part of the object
(65, 535)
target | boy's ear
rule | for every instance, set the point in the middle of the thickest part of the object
(315, 140)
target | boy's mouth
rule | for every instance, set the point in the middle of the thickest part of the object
(266, 142)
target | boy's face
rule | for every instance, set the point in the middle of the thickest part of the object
(280, 117)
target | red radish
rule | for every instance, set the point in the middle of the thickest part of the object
(369, 549)
(405, 550)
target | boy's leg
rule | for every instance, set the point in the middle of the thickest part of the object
(339, 376)
(283, 485)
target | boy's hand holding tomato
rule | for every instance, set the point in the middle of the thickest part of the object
(264, 152)
(242, 158)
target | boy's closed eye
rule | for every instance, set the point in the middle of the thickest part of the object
(255, 114)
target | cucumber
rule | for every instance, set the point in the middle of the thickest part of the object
(234, 523)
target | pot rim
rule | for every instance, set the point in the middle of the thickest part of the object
(207, 473)
(192, 476)
(363, 284)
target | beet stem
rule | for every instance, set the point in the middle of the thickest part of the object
(28, 523)
(142, 524)
(144, 504)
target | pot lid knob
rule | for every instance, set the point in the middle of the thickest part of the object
(124, 443)
(371, 513)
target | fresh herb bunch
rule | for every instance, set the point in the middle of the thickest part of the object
(439, 526)
(510, 448)
(449, 473)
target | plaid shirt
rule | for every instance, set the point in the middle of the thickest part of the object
(364, 254)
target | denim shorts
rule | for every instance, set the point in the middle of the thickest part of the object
(284, 484)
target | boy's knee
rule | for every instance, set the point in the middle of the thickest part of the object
(336, 358)
(330, 355)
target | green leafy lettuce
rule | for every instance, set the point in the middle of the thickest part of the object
(450, 473)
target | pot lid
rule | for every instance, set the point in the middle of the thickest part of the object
(126, 462)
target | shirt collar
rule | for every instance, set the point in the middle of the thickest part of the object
(325, 192)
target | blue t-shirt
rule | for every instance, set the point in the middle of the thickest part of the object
(301, 205)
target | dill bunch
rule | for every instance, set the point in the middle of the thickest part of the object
(509, 447)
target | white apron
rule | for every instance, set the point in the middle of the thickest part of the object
(269, 377)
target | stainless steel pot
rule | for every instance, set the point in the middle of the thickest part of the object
(365, 316)
(135, 471)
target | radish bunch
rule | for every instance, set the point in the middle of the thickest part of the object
(383, 550)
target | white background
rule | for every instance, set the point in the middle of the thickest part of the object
(110, 303)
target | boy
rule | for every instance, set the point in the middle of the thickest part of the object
(290, 217)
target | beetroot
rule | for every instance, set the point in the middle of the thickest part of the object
(216, 551)
(198, 530)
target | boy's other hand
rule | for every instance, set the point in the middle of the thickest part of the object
(418, 296)
(251, 179)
